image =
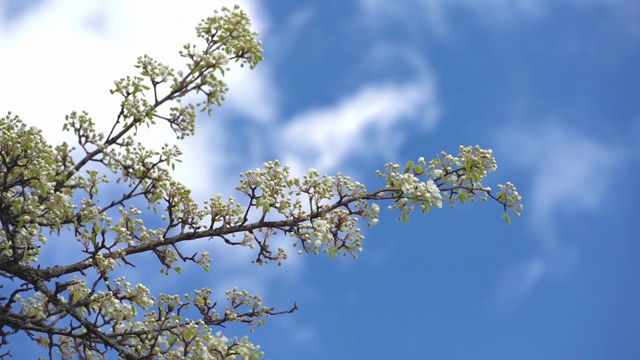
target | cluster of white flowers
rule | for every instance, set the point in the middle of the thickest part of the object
(413, 189)
(220, 59)
(269, 184)
(321, 233)
(28, 171)
(227, 212)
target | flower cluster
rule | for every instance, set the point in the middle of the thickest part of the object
(446, 178)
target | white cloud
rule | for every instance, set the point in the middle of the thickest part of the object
(520, 279)
(63, 55)
(569, 174)
(363, 124)
(570, 169)
(488, 12)
(436, 12)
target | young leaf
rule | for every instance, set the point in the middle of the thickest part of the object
(408, 167)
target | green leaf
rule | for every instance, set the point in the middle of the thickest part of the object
(21, 222)
(156, 197)
(506, 218)
(189, 334)
(408, 167)
(333, 252)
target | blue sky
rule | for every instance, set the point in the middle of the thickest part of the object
(553, 87)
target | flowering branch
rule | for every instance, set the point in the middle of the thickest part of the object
(82, 309)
